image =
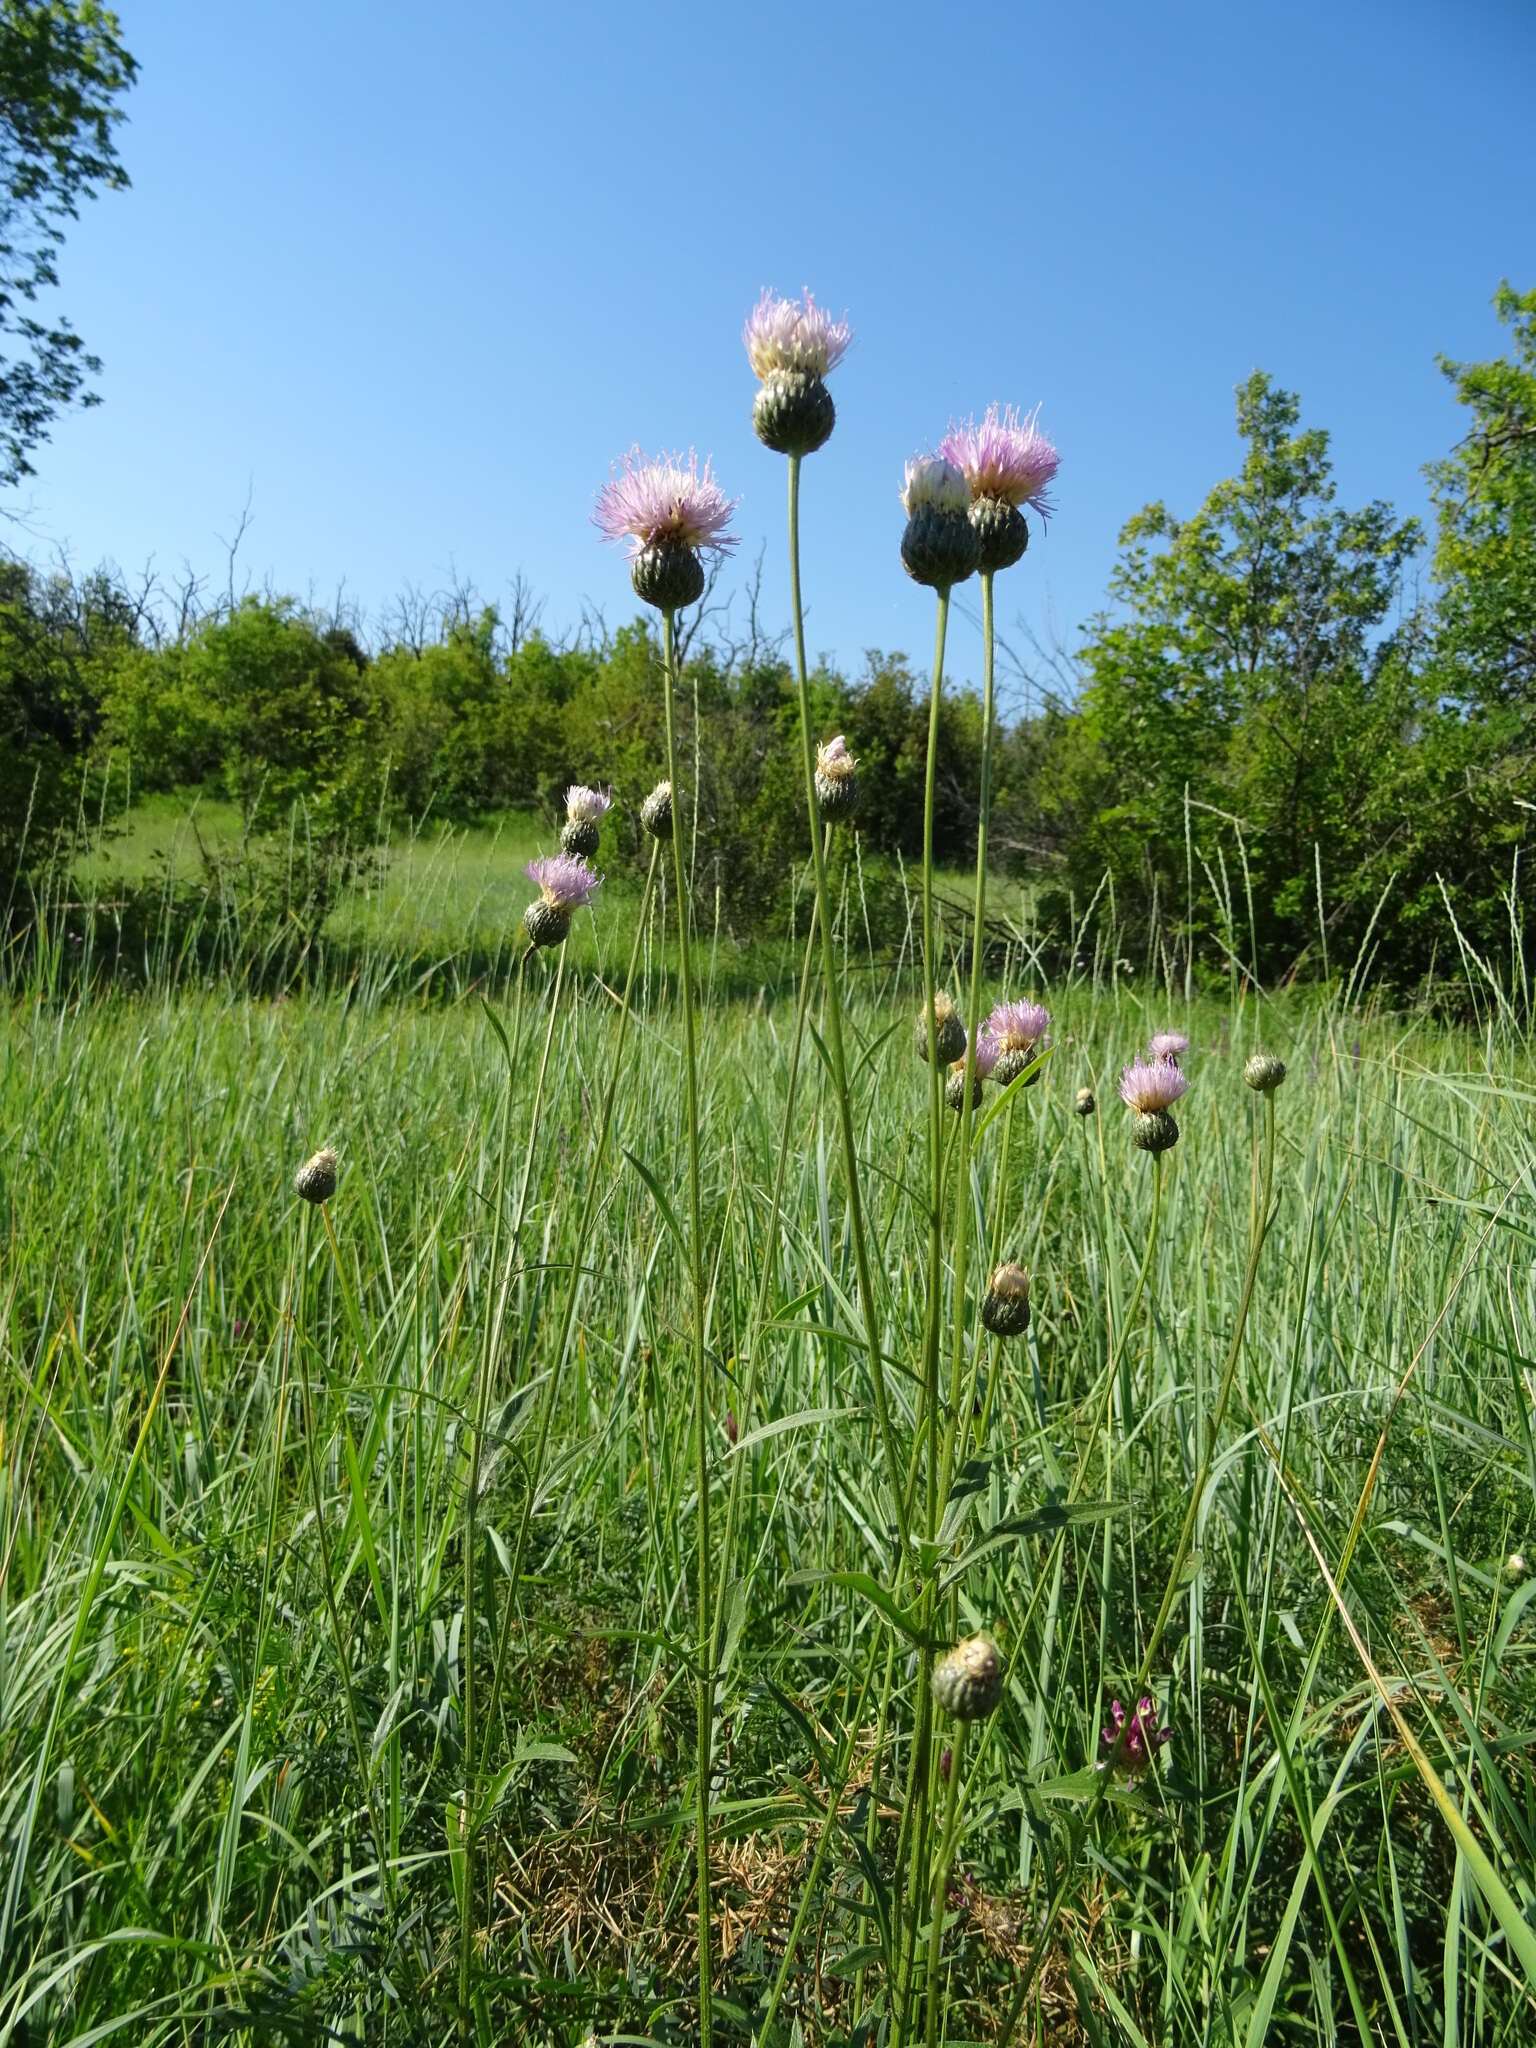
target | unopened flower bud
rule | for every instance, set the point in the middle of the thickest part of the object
(1264, 1072)
(948, 1028)
(939, 546)
(1084, 1104)
(1005, 1305)
(656, 811)
(968, 1681)
(1154, 1130)
(837, 784)
(315, 1180)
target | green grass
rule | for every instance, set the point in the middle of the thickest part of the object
(200, 1864)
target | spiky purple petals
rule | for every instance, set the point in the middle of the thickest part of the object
(1006, 456)
(585, 806)
(665, 500)
(1020, 1026)
(564, 881)
(1168, 1045)
(1148, 1086)
(794, 334)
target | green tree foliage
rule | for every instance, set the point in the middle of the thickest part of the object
(63, 70)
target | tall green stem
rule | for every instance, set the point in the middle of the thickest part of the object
(973, 1012)
(328, 1578)
(946, 1859)
(834, 1021)
(1175, 1570)
(589, 1204)
(700, 1364)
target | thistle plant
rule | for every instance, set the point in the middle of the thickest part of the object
(672, 513)
(565, 884)
(1149, 1089)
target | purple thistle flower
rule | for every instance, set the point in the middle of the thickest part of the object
(1167, 1045)
(1131, 1744)
(1005, 457)
(987, 1050)
(585, 806)
(931, 481)
(565, 881)
(665, 500)
(1149, 1086)
(786, 334)
(1019, 1027)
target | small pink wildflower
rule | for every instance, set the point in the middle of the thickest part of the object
(1147, 1086)
(665, 499)
(564, 880)
(585, 806)
(1167, 1045)
(788, 334)
(1130, 1746)
(1005, 457)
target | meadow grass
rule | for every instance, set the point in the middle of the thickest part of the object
(189, 1848)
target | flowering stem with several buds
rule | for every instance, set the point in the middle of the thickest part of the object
(327, 1578)
(700, 1363)
(834, 1022)
(1260, 1230)
(589, 1207)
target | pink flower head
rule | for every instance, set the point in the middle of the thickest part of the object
(1167, 1045)
(1019, 1027)
(665, 500)
(987, 1051)
(585, 806)
(1005, 457)
(1148, 1085)
(786, 334)
(564, 880)
(1130, 1745)
(833, 758)
(930, 480)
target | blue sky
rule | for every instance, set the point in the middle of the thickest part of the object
(412, 277)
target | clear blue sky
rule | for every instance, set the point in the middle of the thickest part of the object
(415, 276)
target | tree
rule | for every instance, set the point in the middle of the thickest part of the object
(1485, 498)
(63, 68)
(1253, 664)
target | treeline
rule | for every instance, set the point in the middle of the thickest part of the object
(1274, 750)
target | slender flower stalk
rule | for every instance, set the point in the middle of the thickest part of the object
(319, 1174)
(706, 1688)
(591, 1197)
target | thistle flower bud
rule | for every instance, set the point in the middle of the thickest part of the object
(668, 574)
(1005, 1305)
(1154, 1130)
(1131, 1742)
(669, 511)
(939, 546)
(1006, 461)
(566, 884)
(837, 785)
(315, 1180)
(1150, 1088)
(584, 809)
(1264, 1073)
(1020, 1030)
(793, 412)
(968, 1681)
(1515, 1565)
(656, 811)
(792, 344)
(1083, 1103)
(948, 1029)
